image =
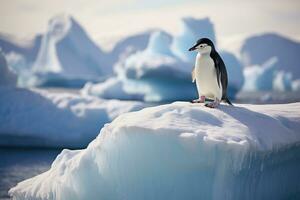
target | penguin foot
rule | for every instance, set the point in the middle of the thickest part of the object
(213, 104)
(200, 100)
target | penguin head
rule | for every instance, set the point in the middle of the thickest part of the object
(203, 45)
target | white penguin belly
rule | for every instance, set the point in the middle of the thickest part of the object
(206, 78)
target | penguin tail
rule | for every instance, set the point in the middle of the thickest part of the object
(227, 101)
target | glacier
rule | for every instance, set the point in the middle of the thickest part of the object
(181, 151)
(39, 118)
(163, 68)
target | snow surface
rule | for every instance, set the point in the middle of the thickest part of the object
(181, 151)
(50, 119)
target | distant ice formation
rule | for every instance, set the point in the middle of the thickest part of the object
(192, 30)
(68, 52)
(267, 77)
(41, 119)
(7, 76)
(37, 118)
(256, 50)
(162, 71)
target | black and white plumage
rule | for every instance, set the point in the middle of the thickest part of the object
(210, 73)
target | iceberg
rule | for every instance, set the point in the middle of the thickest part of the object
(256, 50)
(234, 72)
(282, 81)
(7, 75)
(260, 78)
(154, 74)
(181, 151)
(296, 85)
(129, 45)
(266, 77)
(38, 118)
(27, 48)
(67, 52)
(162, 71)
(192, 30)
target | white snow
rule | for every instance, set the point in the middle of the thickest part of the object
(51, 119)
(181, 151)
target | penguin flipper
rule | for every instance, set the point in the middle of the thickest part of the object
(193, 75)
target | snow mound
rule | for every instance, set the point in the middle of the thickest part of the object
(68, 52)
(181, 151)
(43, 119)
(7, 76)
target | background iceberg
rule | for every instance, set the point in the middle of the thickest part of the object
(160, 71)
(65, 56)
(256, 50)
(27, 48)
(68, 52)
(51, 119)
(272, 60)
(181, 151)
(43, 119)
(7, 76)
(192, 30)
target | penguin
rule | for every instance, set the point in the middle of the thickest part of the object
(210, 74)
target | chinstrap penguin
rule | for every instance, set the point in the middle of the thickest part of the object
(210, 74)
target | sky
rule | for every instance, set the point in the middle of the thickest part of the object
(107, 21)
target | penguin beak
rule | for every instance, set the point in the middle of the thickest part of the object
(193, 48)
